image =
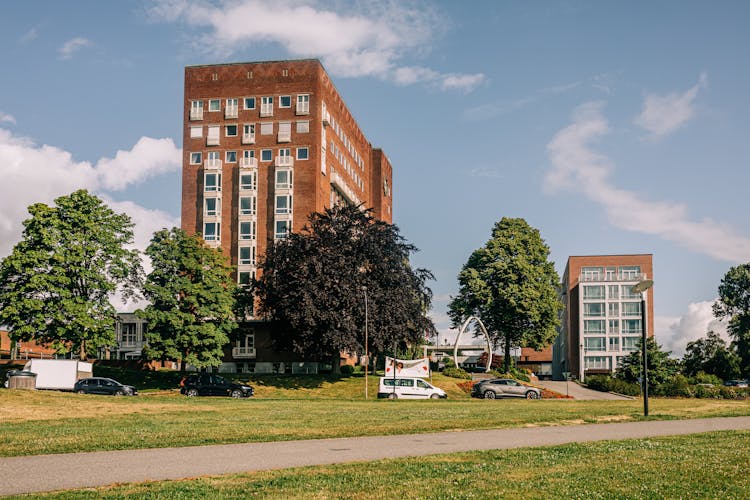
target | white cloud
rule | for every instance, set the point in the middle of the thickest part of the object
(488, 172)
(353, 40)
(33, 173)
(577, 167)
(662, 115)
(6, 118)
(674, 333)
(72, 46)
(149, 157)
(29, 36)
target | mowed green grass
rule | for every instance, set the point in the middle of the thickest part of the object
(711, 465)
(40, 422)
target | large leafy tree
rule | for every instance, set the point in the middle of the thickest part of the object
(313, 285)
(661, 367)
(511, 285)
(192, 300)
(711, 355)
(734, 303)
(56, 285)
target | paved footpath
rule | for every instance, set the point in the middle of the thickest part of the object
(79, 470)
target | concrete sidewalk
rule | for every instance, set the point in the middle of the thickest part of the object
(39, 473)
(576, 391)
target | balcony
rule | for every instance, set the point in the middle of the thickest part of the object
(343, 188)
(230, 112)
(248, 138)
(303, 108)
(196, 114)
(266, 110)
(284, 137)
(243, 352)
(212, 164)
(284, 161)
(635, 278)
(248, 163)
(212, 140)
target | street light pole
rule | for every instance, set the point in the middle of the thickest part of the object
(641, 288)
(367, 355)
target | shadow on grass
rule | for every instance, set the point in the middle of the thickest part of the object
(295, 381)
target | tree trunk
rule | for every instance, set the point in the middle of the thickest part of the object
(336, 363)
(506, 357)
(82, 351)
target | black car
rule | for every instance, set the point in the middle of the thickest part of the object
(208, 384)
(104, 386)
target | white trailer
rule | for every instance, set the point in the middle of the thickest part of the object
(60, 374)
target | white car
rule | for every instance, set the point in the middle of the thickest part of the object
(408, 388)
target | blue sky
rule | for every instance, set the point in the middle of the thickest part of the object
(612, 127)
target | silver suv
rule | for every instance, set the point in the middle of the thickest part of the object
(504, 388)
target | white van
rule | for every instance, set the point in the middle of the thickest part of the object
(408, 388)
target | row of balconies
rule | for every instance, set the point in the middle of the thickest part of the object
(611, 277)
(266, 110)
(249, 139)
(279, 161)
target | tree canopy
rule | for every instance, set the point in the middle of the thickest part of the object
(313, 284)
(734, 303)
(56, 285)
(661, 367)
(192, 298)
(512, 287)
(712, 356)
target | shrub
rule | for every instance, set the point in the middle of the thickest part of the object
(706, 378)
(678, 386)
(606, 383)
(456, 373)
(347, 370)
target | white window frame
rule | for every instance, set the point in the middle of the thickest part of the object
(270, 153)
(303, 127)
(252, 210)
(211, 102)
(281, 98)
(246, 236)
(283, 210)
(250, 261)
(307, 153)
(279, 235)
(216, 212)
(196, 155)
(196, 132)
(244, 103)
(289, 184)
(303, 104)
(266, 128)
(253, 186)
(226, 130)
(227, 155)
(217, 187)
(217, 234)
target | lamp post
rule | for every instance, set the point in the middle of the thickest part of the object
(367, 355)
(641, 288)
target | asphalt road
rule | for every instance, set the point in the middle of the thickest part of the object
(79, 470)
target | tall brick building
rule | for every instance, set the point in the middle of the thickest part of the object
(601, 322)
(265, 145)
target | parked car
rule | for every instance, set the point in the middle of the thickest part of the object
(504, 388)
(408, 388)
(103, 386)
(736, 383)
(208, 384)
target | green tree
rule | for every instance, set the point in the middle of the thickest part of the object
(661, 367)
(512, 287)
(312, 286)
(192, 300)
(712, 356)
(734, 303)
(56, 285)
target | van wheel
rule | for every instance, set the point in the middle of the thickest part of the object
(434, 396)
(392, 396)
(489, 394)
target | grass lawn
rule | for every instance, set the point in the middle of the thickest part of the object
(711, 465)
(38, 422)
